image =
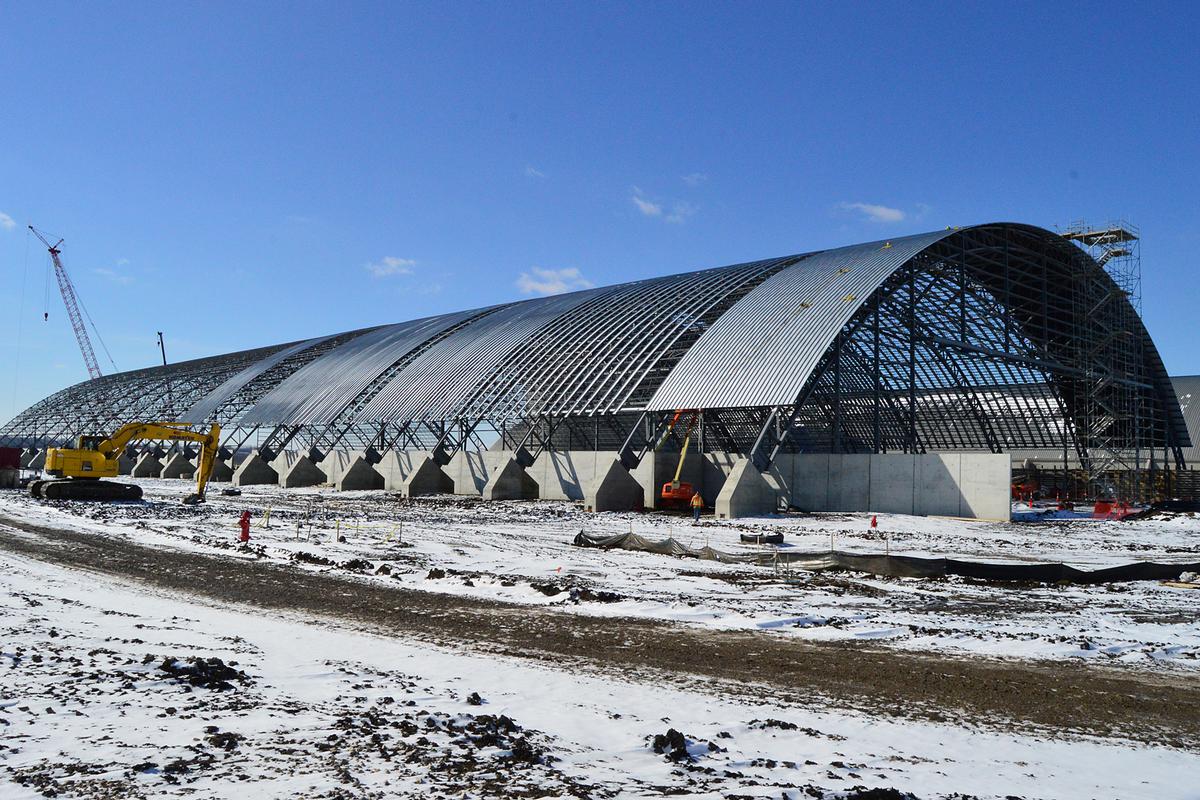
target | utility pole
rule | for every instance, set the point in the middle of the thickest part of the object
(162, 348)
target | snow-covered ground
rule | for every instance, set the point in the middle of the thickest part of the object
(522, 552)
(99, 699)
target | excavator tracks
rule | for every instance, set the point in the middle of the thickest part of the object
(92, 491)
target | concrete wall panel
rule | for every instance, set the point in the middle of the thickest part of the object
(938, 491)
(986, 480)
(891, 483)
(849, 482)
(938, 484)
(810, 481)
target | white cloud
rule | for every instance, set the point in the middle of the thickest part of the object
(694, 179)
(875, 213)
(390, 265)
(113, 275)
(7, 222)
(645, 206)
(533, 172)
(552, 281)
(681, 211)
(121, 262)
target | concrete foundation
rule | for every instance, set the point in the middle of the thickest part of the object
(952, 484)
(614, 489)
(222, 472)
(396, 465)
(178, 466)
(330, 465)
(125, 464)
(38, 462)
(10, 478)
(470, 471)
(335, 464)
(282, 462)
(427, 478)
(255, 471)
(27, 457)
(510, 482)
(360, 475)
(147, 466)
(301, 472)
(559, 476)
(747, 493)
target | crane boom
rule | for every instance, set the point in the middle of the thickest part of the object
(67, 289)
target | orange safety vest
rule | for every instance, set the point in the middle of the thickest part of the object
(697, 501)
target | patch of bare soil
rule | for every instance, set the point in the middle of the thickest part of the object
(1069, 697)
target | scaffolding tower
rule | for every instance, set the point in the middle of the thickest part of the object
(1112, 408)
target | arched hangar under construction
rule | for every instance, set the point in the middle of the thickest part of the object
(895, 375)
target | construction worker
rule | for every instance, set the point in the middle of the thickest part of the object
(244, 524)
(697, 506)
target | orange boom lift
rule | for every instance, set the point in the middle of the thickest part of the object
(677, 491)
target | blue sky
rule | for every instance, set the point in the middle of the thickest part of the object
(245, 174)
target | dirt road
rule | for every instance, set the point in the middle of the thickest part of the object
(1075, 698)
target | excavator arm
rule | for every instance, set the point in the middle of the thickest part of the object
(113, 446)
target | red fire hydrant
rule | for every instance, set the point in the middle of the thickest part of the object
(244, 524)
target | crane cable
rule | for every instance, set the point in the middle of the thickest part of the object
(20, 326)
(46, 293)
(96, 331)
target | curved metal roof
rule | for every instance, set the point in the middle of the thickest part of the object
(210, 402)
(444, 378)
(1187, 389)
(746, 335)
(320, 391)
(761, 351)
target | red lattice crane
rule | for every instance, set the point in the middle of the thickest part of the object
(72, 303)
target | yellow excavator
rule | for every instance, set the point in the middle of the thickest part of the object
(78, 470)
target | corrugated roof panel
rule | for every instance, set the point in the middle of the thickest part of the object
(318, 392)
(1187, 389)
(442, 380)
(214, 399)
(761, 351)
(592, 359)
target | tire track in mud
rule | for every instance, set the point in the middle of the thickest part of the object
(1074, 698)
